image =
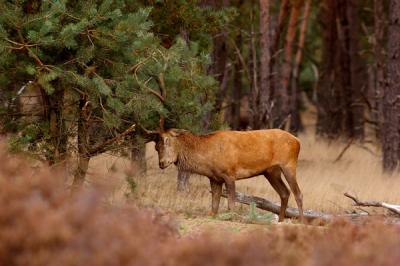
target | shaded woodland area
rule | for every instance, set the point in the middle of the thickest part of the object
(80, 78)
(341, 55)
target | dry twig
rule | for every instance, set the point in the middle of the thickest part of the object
(393, 208)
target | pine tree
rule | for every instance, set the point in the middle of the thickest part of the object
(100, 70)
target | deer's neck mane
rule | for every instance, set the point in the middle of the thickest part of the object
(192, 152)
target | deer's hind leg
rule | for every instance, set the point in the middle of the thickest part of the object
(289, 171)
(216, 189)
(274, 177)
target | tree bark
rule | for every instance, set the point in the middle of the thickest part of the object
(58, 143)
(252, 81)
(296, 125)
(219, 53)
(276, 28)
(358, 73)
(263, 95)
(183, 182)
(138, 162)
(284, 10)
(283, 88)
(218, 60)
(329, 94)
(236, 95)
(251, 93)
(391, 123)
(345, 73)
(83, 155)
(379, 61)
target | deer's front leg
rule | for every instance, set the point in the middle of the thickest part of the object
(216, 189)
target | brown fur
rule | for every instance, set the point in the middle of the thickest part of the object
(227, 156)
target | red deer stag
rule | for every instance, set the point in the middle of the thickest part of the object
(227, 156)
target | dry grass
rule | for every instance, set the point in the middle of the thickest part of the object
(42, 223)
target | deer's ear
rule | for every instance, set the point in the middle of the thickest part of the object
(177, 132)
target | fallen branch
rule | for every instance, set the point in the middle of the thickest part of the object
(393, 208)
(274, 207)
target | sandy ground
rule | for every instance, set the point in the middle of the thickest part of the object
(191, 227)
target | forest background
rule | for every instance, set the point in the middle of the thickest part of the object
(82, 83)
(77, 77)
(80, 79)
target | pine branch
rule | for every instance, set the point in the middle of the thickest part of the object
(161, 77)
(45, 17)
(30, 51)
(156, 94)
(140, 63)
(102, 146)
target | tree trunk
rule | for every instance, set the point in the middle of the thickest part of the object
(219, 53)
(282, 90)
(329, 94)
(252, 82)
(218, 60)
(58, 143)
(251, 93)
(284, 10)
(379, 61)
(83, 151)
(276, 28)
(263, 96)
(139, 163)
(236, 95)
(353, 74)
(296, 125)
(183, 182)
(345, 73)
(358, 73)
(391, 123)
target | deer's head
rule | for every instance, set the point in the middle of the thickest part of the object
(167, 146)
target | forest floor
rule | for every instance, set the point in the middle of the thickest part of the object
(197, 225)
(192, 227)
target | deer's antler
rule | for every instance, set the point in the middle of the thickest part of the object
(158, 130)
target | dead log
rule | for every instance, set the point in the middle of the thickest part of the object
(275, 207)
(393, 208)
